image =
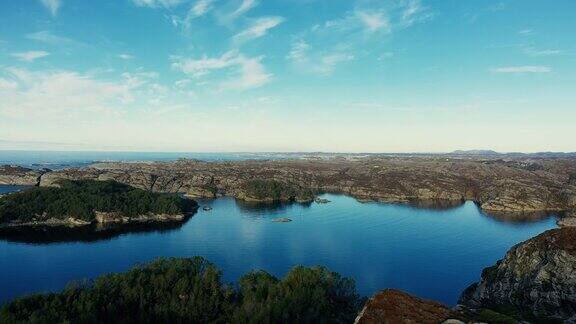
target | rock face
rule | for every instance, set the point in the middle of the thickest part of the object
(393, 306)
(515, 185)
(536, 279)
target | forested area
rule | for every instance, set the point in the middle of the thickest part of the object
(81, 198)
(191, 291)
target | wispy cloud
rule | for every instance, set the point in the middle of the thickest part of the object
(198, 9)
(157, 3)
(126, 56)
(522, 69)
(49, 38)
(374, 21)
(541, 52)
(201, 7)
(259, 28)
(30, 56)
(320, 64)
(414, 12)
(52, 5)
(243, 8)
(242, 72)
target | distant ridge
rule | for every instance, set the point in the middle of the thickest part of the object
(514, 154)
(475, 152)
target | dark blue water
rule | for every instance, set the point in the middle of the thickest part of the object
(431, 253)
(7, 189)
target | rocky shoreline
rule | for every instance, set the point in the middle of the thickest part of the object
(534, 283)
(101, 219)
(516, 185)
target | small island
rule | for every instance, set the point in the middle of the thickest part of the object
(78, 203)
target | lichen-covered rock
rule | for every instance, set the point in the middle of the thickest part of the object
(393, 306)
(536, 279)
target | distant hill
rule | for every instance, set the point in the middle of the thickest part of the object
(515, 154)
(475, 152)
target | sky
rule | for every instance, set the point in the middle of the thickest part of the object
(288, 75)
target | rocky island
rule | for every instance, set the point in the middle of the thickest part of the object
(79, 203)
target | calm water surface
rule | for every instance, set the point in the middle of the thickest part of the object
(431, 253)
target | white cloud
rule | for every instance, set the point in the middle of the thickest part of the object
(299, 51)
(201, 7)
(125, 56)
(242, 72)
(60, 94)
(157, 3)
(522, 69)
(243, 8)
(320, 64)
(7, 85)
(374, 21)
(52, 5)
(30, 56)
(413, 11)
(544, 52)
(259, 28)
(45, 36)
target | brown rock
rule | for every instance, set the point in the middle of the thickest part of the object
(497, 185)
(396, 307)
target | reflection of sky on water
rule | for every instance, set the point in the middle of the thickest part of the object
(432, 253)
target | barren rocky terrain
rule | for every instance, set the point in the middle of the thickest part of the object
(536, 279)
(516, 184)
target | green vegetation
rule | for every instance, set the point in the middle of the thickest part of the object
(79, 199)
(190, 291)
(275, 190)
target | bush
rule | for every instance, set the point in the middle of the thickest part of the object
(191, 291)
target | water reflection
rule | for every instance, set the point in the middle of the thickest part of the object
(520, 217)
(91, 233)
(266, 207)
(436, 204)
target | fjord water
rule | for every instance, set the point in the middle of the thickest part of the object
(431, 253)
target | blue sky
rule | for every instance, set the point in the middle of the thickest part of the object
(288, 75)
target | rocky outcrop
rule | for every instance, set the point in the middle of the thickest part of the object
(568, 220)
(536, 279)
(393, 306)
(15, 175)
(118, 218)
(101, 218)
(520, 185)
